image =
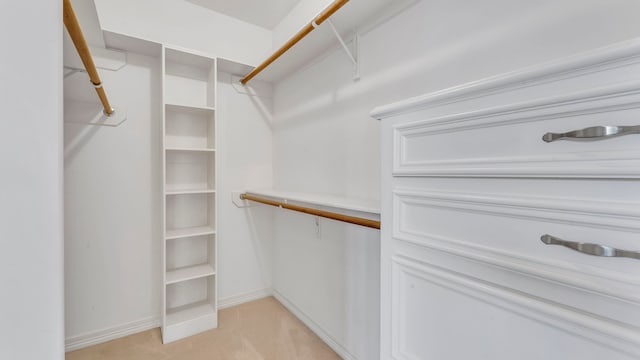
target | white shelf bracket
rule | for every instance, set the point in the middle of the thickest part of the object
(238, 202)
(92, 113)
(355, 57)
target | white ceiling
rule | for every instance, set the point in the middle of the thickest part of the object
(264, 13)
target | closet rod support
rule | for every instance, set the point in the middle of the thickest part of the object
(374, 224)
(344, 45)
(353, 57)
(75, 32)
(317, 21)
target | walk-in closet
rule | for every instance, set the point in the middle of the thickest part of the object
(320, 179)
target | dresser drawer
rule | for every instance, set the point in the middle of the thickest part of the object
(508, 140)
(452, 300)
(496, 240)
(514, 224)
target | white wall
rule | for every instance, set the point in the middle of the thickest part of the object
(31, 260)
(325, 141)
(113, 179)
(331, 278)
(182, 23)
(299, 16)
(245, 162)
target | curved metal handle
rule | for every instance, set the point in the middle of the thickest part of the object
(590, 249)
(593, 133)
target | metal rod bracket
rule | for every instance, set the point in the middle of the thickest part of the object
(356, 53)
(237, 197)
(370, 223)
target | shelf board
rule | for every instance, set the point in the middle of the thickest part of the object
(180, 55)
(189, 273)
(189, 313)
(189, 108)
(371, 207)
(190, 192)
(361, 15)
(189, 232)
(127, 43)
(190, 149)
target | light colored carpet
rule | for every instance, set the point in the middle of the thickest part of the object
(259, 330)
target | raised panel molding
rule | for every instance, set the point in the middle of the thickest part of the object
(610, 334)
(623, 54)
(614, 215)
(469, 186)
(595, 100)
(624, 164)
(561, 281)
(619, 216)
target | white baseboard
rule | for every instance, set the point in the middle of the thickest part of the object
(108, 334)
(243, 298)
(104, 335)
(317, 329)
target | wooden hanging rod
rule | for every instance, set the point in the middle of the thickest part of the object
(75, 32)
(326, 214)
(296, 38)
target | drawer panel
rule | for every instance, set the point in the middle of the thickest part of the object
(507, 140)
(515, 223)
(510, 227)
(435, 311)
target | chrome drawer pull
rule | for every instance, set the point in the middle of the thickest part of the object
(590, 249)
(593, 133)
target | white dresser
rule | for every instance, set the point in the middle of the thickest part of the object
(469, 189)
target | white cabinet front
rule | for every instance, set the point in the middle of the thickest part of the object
(511, 217)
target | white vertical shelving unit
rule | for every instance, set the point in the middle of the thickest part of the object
(189, 190)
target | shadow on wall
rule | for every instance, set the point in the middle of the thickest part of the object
(113, 181)
(329, 272)
(389, 64)
(83, 113)
(260, 220)
(257, 91)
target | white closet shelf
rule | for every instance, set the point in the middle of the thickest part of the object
(189, 108)
(189, 313)
(189, 122)
(324, 200)
(190, 192)
(361, 15)
(189, 273)
(191, 149)
(189, 232)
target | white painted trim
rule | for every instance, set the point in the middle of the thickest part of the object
(531, 268)
(134, 327)
(112, 333)
(315, 327)
(615, 215)
(607, 333)
(621, 96)
(610, 57)
(101, 336)
(621, 217)
(242, 298)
